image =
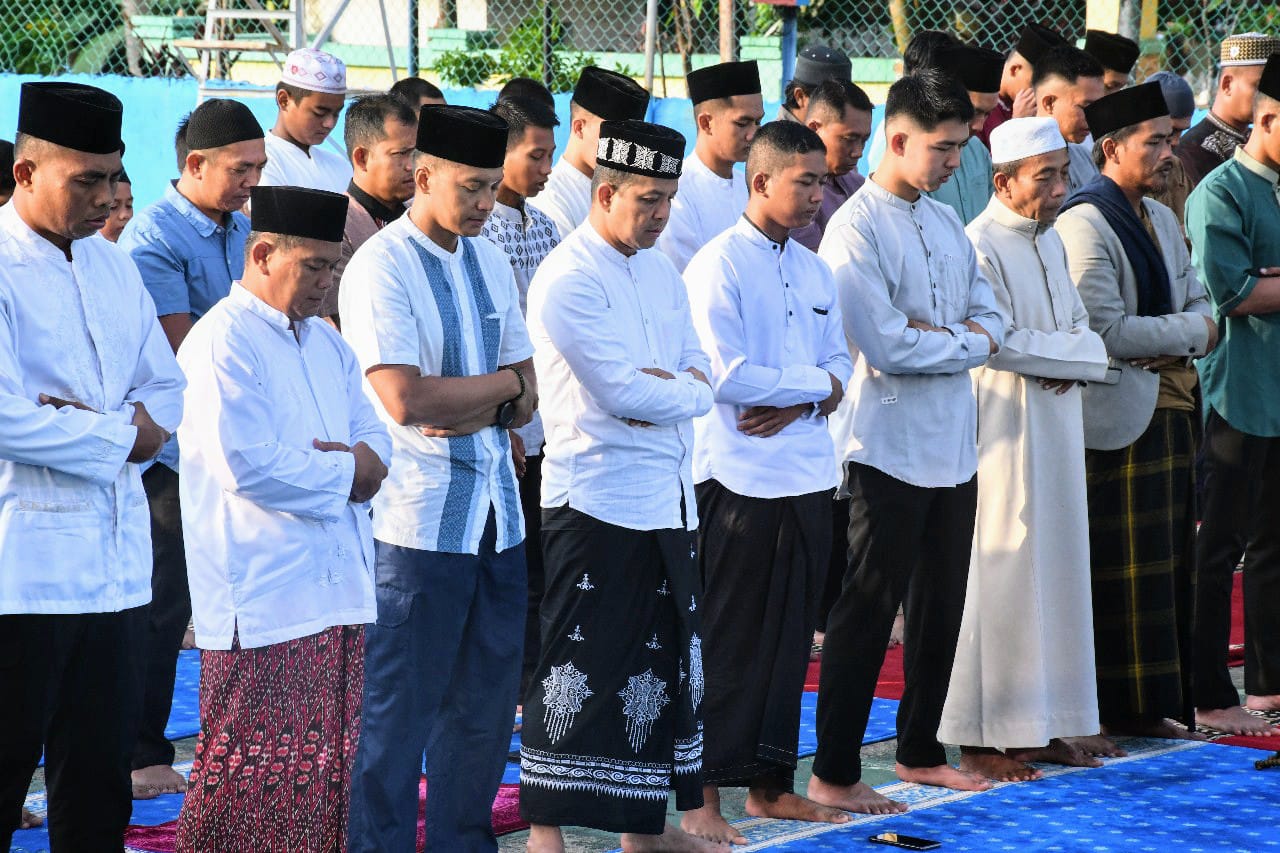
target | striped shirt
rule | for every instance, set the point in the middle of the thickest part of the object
(405, 300)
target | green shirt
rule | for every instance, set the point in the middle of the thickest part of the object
(1233, 221)
(969, 189)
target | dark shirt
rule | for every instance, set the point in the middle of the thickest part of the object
(1207, 146)
(380, 212)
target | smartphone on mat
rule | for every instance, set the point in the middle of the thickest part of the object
(906, 842)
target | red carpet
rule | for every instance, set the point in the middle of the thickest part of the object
(888, 686)
(1235, 652)
(1270, 744)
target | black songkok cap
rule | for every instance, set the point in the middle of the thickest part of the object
(1268, 85)
(724, 81)
(219, 122)
(1124, 108)
(1114, 52)
(1035, 40)
(818, 62)
(83, 118)
(6, 163)
(463, 135)
(298, 212)
(979, 69)
(640, 148)
(610, 95)
(124, 176)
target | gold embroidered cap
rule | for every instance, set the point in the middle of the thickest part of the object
(1247, 49)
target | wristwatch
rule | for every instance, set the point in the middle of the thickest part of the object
(507, 411)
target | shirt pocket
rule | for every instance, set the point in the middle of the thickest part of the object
(50, 543)
(952, 290)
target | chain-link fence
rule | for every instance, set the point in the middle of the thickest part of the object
(472, 42)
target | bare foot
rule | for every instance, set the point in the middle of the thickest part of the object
(30, 820)
(545, 839)
(1262, 703)
(1059, 751)
(151, 782)
(899, 628)
(672, 840)
(1096, 745)
(708, 823)
(1166, 729)
(1234, 721)
(943, 776)
(189, 639)
(993, 764)
(859, 797)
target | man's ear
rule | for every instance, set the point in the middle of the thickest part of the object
(898, 143)
(576, 126)
(360, 158)
(422, 176)
(23, 171)
(260, 254)
(605, 194)
(1001, 183)
(703, 120)
(282, 99)
(760, 184)
(1046, 105)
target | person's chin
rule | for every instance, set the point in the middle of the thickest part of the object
(470, 227)
(648, 239)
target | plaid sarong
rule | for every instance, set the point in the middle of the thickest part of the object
(1141, 527)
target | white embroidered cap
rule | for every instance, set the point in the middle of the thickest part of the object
(315, 71)
(1020, 138)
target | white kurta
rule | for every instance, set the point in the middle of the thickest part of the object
(1080, 166)
(276, 550)
(705, 206)
(1024, 666)
(566, 198)
(75, 532)
(319, 168)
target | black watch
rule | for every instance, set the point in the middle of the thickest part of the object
(507, 414)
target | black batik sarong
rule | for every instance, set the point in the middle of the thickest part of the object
(613, 716)
(764, 564)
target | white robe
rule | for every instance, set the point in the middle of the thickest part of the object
(566, 198)
(706, 206)
(320, 168)
(1024, 667)
(1080, 166)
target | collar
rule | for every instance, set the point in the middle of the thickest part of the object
(1223, 127)
(420, 237)
(753, 235)
(241, 297)
(508, 213)
(693, 163)
(1250, 162)
(601, 247)
(14, 225)
(1014, 221)
(203, 225)
(379, 211)
(889, 198)
(785, 114)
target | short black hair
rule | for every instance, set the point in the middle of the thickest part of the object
(7, 182)
(1118, 136)
(180, 146)
(780, 140)
(295, 93)
(838, 96)
(1067, 62)
(521, 114)
(528, 89)
(367, 119)
(923, 49)
(929, 97)
(413, 89)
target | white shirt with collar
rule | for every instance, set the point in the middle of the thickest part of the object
(769, 317)
(597, 317)
(75, 531)
(705, 205)
(566, 198)
(318, 168)
(276, 550)
(405, 300)
(910, 411)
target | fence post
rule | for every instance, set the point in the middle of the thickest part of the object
(413, 38)
(788, 14)
(728, 42)
(650, 39)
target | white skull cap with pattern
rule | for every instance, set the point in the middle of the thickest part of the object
(1020, 138)
(315, 71)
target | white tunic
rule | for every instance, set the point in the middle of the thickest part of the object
(1024, 666)
(75, 531)
(597, 317)
(705, 205)
(1080, 166)
(275, 548)
(768, 316)
(566, 198)
(318, 168)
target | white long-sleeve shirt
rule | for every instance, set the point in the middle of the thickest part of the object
(910, 411)
(768, 316)
(275, 548)
(566, 198)
(705, 205)
(597, 317)
(318, 168)
(75, 532)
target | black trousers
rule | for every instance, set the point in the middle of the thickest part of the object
(839, 563)
(69, 687)
(530, 504)
(1241, 504)
(167, 617)
(896, 530)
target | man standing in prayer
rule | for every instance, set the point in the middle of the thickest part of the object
(1215, 138)
(599, 96)
(613, 720)
(380, 132)
(1022, 684)
(281, 453)
(1017, 96)
(310, 96)
(814, 64)
(920, 312)
(527, 235)
(1233, 220)
(969, 189)
(1182, 105)
(727, 109)
(767, 314)
(433, 314)
(1117, 55)
(1130, 263)
(88, 393)
(840, 113)
(1066, 82)
(189, 248)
